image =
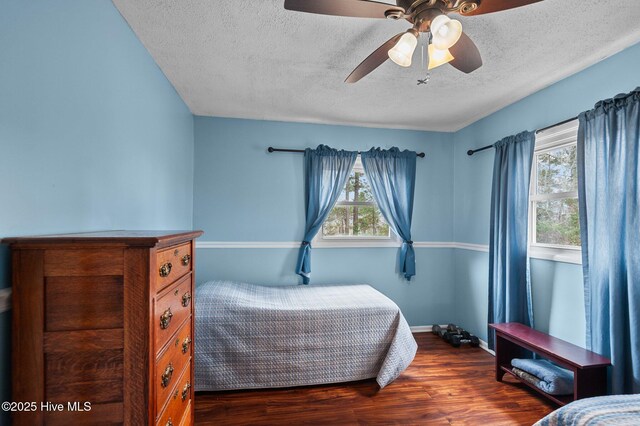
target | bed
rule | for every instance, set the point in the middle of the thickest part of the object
(251, 336)
(602, 410)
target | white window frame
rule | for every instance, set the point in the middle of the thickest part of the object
(320, 241)
(556, 137)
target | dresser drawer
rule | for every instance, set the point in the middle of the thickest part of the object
(186, 419)
(179, 401)
(171, 309)
(172, 263)
(171, 363)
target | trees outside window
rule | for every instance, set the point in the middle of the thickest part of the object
(356, 214)
(553, 213)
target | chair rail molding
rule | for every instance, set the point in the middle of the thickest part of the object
(351, 244)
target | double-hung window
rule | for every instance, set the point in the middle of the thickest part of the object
(356, 220)
(554, 226)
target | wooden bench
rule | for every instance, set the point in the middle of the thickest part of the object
(513, 340)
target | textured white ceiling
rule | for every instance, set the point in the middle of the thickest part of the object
(253, 59)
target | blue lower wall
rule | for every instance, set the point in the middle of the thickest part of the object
(558, 300)
(92, 135)
(425, 300)
(557, 287)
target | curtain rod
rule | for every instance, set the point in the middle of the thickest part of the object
(272, 149)
(473, 151)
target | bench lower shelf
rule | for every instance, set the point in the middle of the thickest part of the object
(558, 399)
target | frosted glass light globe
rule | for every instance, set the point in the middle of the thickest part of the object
(402, 52)
(446, 32)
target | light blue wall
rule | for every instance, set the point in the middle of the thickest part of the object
(557, 290)
(242, 193)
(558, 299)
(92, 135)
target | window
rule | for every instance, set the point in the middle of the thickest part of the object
(356, 220)
(553, 214)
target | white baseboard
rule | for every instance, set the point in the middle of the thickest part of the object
(421, 329)
(5, 299)
(484, 345)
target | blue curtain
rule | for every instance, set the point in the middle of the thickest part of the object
(392, 174)
(326, 172)
(509, 284)
(609, 197)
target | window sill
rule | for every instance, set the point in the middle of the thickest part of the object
(556, 254)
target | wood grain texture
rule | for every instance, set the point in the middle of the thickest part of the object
(91, 262)
(27, 358)
(101, 238)
(189, 417)
(443, 386)
(83, 340)
(84, 303)
(94, 376)
(138, 364)
(100, 414)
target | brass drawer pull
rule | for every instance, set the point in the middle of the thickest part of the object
(186, 259)
(165, 270)
(166, 376)
(185, 391)
(186, 298)
(169, 423)
(165, 319)
(185, 345)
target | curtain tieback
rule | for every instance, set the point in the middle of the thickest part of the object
(306, 243)
(409, 242)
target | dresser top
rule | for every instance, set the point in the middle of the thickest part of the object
(132, 238)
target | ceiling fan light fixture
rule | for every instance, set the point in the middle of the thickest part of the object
(402, 52)
(438, 57)
(446, 31)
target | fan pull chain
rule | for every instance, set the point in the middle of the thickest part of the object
(424, 63)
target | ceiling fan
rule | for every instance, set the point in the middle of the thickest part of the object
(447, 43)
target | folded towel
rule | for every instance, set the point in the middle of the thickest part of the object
(529, 378)
(554, 380)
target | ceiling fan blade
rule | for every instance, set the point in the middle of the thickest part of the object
(490, 6)
(466, 54)
(355, 8)
(373, 61)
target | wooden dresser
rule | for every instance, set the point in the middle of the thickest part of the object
(104, 318)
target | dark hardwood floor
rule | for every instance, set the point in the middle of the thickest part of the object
(443, 386)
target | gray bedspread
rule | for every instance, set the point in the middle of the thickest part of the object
(619, 410)
(252, 336)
